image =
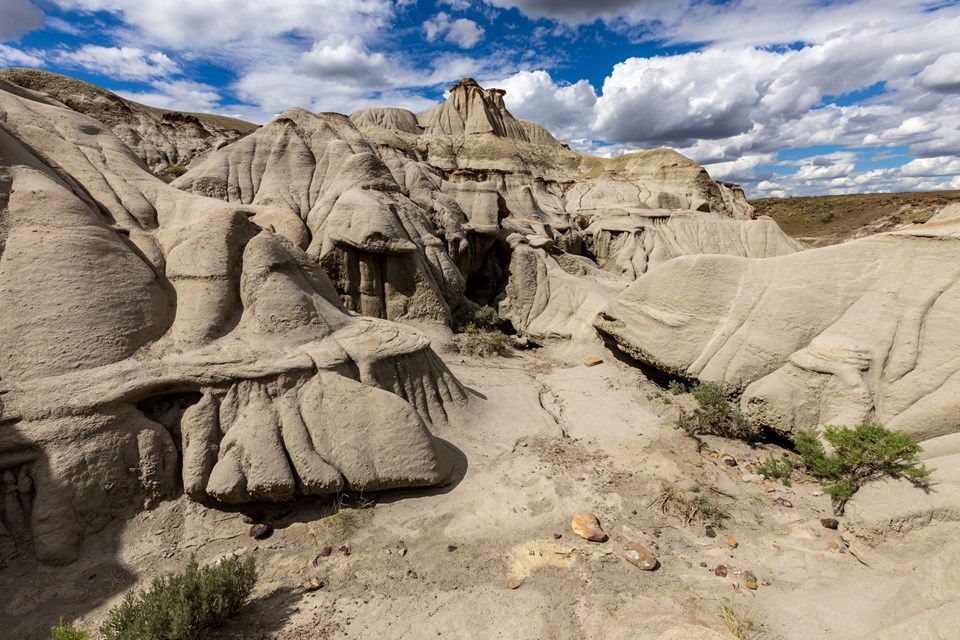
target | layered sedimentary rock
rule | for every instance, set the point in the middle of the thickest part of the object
(156, 341)
(408, 213)
(854, 332)
(161, 138)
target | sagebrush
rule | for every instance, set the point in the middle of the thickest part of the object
(866, 452)
(183, 606)
(716, 415)
(483, 318)
(67, 632)
(777, 469)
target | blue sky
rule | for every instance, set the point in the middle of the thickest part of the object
(786, 97)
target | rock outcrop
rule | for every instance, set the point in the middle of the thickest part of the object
(156, 341)
(409, 214)
(839, 335)
(163, 139)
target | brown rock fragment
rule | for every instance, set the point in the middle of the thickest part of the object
(720, 571)
(641, 557)
(587, 526)
(830, 523)
(732, 543)
(593, 361)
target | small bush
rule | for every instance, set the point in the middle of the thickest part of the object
(176, 170)
(676, 388)
(183, 606)
(67, 632)
(715, 415)
(866, 452)
(483, 318)
(498, 342)
(740, 624)
(780, 469)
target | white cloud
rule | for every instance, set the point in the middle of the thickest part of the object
(18, 17)
(349, 61)
(565, 109)
(13, 57)
(943, 75)
(456, 5)
(120, 63)
(180, 95)
(462, 32)
(926, 167)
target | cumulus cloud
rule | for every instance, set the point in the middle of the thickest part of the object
(580, 12)
(18, 17)
(565, 109)
(182, 95)
(349, 61)
(462, 32)
(456, 5)
(122, 63)
(13, 57)
(943, 75)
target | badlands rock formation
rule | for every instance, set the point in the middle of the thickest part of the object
(409, 214)
(156, 341)
(839, 335)
(160, 138)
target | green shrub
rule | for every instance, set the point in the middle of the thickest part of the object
(67, 632)
(183, 606)
(483, 318)
(715, 415)
(176, 170)
(498, 342)
(780, 469)
(867, 452)
(676, 388)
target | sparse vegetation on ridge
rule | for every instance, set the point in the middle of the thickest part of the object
(860, 454)
(778, 469)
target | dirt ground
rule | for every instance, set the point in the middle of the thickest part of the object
(545, 437)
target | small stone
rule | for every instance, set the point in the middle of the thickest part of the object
(817, 494)
(776, 547)
(830, 523)
(641, 557)
(703, 565)
(327, 552)
(732, 543)
(729, 461)
(783, 502)
(514, 583)
(710, 531)
(587, 526)
(593, 361)
(720, 571)
(834, 545)
(714, 455)
(557, 536)
(748, 575)
(751, 477)
(313, 584)
(344, 549)
(451, 548)
(261, 531)
(751, 584)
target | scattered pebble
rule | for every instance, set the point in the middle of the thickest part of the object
(593, 361)
(729, 461)
(783, 502)
(327, 552)
(751, 584)
(720, 571)
(345, 550)
(451, 548)
(732, 543)
(830, 523)
(641, 557)
(313, 584)
(748, 575)
(514, 583)
(710, 531)
(557, 536)
(254, 517)
(587, 526)
(261, 531)
(703, 564)
(834, 545)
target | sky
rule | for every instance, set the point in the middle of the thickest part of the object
(786, 97)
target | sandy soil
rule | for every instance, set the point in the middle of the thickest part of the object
(545, 438)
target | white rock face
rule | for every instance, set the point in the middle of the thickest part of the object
(837, 335)
(149, 328)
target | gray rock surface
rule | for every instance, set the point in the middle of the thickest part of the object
(148, 329)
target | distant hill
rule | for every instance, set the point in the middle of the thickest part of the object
(823, 220)
(166, 140)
